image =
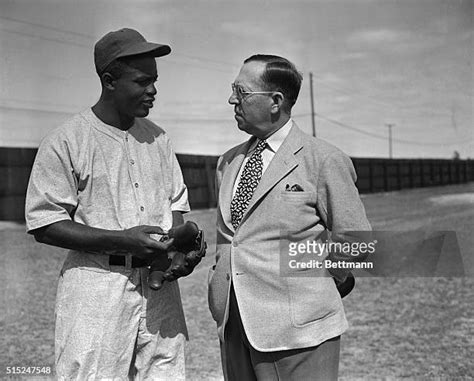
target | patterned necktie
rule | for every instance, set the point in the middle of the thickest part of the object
(249, 180)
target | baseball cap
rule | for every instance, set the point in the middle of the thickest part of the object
(123, 43)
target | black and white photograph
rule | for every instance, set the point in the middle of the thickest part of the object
(242, 191)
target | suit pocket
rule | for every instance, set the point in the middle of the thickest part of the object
(312, 299)
(297, 211)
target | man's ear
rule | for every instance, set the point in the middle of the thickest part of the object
(108, 81)
(278, 99)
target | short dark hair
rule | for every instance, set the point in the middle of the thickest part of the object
(280, 75)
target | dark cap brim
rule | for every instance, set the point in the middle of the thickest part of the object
(156, 50)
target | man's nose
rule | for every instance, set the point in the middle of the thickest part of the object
(151, 89)
(233, 99)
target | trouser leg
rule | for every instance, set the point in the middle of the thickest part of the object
(236, 349)
(315, 363)
(161, 335)
(243, 362)
(97, 318)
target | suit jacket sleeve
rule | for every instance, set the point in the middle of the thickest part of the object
(341, 208)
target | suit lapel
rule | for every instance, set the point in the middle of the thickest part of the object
(228, 181)
(282, 163)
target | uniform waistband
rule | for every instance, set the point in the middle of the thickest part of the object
(120, 260)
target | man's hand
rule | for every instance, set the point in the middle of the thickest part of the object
(142, 245)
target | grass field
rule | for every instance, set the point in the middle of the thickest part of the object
(411, 328)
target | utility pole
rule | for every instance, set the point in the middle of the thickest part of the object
(390, 125)
(312, 103)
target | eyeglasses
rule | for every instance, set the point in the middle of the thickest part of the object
(242, 94)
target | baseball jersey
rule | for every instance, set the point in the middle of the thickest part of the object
(103, 177)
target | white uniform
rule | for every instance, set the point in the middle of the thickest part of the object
(109, 324)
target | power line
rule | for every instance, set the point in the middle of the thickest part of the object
(47, 27)
(377, 136)
(342, 90)
(66, 42)
(351, 92)
(93, 38)
(224, 120)
(75, 108)
(219, 62)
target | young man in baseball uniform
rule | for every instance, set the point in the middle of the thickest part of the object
(100, 185)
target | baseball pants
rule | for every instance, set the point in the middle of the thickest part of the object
(111, 326)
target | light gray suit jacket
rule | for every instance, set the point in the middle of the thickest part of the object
(280, 313)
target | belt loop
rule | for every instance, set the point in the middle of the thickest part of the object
(128, 261)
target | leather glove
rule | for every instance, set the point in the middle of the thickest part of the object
(188, 249)
(184, 264)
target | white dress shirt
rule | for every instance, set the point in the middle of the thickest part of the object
(274, 142)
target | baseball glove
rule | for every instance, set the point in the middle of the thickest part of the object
(188, 249)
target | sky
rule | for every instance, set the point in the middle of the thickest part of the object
(405, 63)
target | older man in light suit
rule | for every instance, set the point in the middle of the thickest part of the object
(273, 327)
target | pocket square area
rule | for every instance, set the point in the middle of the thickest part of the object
(294, 188)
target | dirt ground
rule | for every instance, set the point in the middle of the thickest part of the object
(411, 328)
